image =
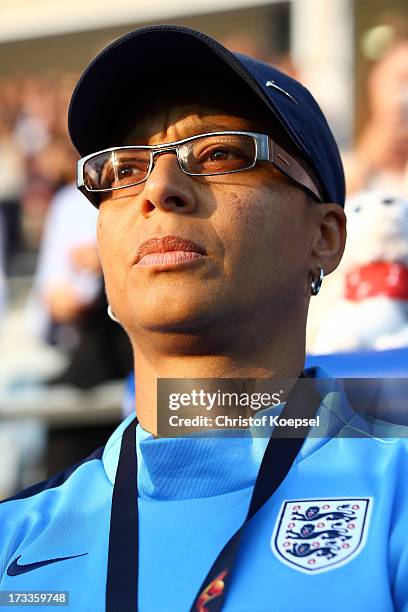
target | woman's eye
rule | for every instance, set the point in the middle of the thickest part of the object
(219, 154)
(126, 171)
(223, 153)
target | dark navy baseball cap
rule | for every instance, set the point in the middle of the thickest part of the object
(118, 80)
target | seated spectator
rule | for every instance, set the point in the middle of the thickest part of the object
(62, 287)
(68, 305)
(380, 160)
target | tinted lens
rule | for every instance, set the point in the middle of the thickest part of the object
(218, 154)
(114, 169)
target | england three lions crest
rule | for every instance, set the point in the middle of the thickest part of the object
(316, 535)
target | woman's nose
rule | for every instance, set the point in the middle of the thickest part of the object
(167, 188)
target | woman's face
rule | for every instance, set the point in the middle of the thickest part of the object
(253, 227)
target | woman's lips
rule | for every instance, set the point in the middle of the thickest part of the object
(170, 257)
(168, 251)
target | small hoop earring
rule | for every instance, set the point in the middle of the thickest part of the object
(111, 315)
(317, 283)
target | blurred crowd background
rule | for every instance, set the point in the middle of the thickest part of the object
(63, 363)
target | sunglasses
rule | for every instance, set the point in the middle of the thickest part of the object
(209, 154)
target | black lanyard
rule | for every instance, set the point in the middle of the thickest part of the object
(123, 561)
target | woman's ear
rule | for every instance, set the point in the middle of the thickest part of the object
(329, 239)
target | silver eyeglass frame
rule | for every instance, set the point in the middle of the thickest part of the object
(266, 149)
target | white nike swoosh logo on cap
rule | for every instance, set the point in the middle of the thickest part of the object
(275, 86)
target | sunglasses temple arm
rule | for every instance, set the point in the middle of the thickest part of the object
(289, 166)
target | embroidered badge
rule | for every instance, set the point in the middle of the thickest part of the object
(316, 535)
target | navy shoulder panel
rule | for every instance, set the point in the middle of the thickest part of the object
(54, 481)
